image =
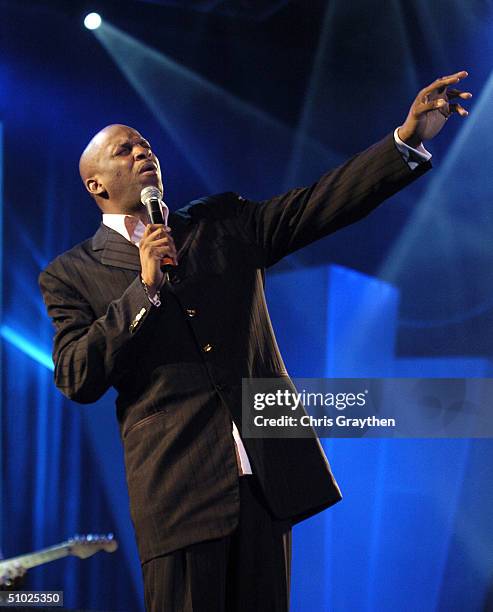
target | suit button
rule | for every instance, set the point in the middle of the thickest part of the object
(207, 348)
(140, 314)
(191, 312)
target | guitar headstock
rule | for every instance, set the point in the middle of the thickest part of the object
(88, 545)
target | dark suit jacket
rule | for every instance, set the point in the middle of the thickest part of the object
(178, 368)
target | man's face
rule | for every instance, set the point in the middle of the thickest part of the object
(125, 164)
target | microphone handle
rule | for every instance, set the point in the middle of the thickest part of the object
(156, 216)
(154, 211)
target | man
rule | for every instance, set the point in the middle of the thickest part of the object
(212, 512)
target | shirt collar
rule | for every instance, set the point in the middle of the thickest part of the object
(128, 226)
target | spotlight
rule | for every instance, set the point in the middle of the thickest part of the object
(92, 21)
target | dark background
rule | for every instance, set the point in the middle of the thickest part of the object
(255, 97)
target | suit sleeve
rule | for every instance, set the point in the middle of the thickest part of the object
(90, 353)
(288, 222)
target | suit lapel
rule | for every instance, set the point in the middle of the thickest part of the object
(115, 249)
(119, 252)
(183, 232)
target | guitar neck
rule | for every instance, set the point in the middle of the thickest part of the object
(38, 558)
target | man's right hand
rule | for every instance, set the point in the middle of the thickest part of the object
(156, 244)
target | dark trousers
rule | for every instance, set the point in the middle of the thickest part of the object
(247, 571)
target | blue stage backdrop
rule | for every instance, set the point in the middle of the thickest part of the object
(258, 102)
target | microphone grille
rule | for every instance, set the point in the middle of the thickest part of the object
(150, 193)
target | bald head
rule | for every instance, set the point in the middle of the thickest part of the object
(88, 162)
(116, 165)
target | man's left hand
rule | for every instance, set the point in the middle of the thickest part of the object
(431, 109)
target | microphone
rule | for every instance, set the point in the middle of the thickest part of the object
(151, 198)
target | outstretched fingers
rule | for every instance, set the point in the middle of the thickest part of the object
(440, 84)
(441, 105)
(459, 109)
(457, 93)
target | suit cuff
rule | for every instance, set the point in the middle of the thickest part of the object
(137, 305)
(153, 299)
(412, 157)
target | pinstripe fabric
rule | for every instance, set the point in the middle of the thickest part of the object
(245, 571)
(179, 376)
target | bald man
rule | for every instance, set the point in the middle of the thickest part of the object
(212, 511)
(115, 166)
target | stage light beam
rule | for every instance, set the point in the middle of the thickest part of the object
(92, 21)
(27, 347)
(203, 119)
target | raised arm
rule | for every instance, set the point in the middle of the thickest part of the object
(292, 220)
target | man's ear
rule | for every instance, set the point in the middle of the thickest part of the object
(95, 188)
